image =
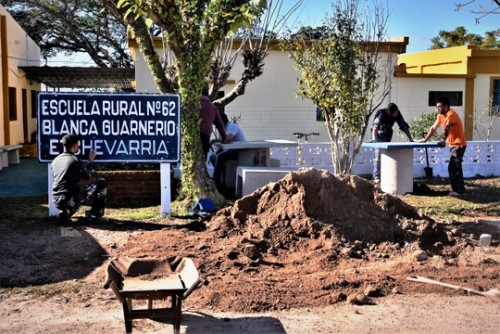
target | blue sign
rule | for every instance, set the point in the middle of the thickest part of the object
(119, 127)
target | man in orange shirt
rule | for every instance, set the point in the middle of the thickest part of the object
(454, 134)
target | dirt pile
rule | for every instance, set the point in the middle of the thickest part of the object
(298, 242)
(313, 204)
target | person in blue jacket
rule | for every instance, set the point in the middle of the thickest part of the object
(382, 131)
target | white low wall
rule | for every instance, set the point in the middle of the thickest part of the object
(482, 158)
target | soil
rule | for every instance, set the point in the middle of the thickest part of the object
(311, 252)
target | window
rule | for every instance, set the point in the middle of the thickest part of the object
(456, 98)
(33, 103)
(12, 104)
(495, 96)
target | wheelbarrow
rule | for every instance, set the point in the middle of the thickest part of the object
(152, 280)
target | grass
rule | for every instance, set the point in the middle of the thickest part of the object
(482, 199)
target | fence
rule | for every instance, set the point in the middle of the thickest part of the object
(482, 158)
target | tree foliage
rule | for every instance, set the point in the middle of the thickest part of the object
(459, 36)
(420, 126)
(344, 73)
(73, 26)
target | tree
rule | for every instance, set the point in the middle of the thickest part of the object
(485, 117)
(344, 74)
(192, 30)
(73, 26)
(459, 37)
(253, 48)
(491, 40)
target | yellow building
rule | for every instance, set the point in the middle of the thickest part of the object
(470, 77)
(18, 94)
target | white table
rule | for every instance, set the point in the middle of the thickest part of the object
(396, 165)
(252, 153)
(257, 152)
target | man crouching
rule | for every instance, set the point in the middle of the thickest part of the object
(67, 170)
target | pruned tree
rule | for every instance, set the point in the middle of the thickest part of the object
(345, 74)
(485, 117)
(192, 30)
(460, 36)
(250, 45)
(492, 8)
(73, 26)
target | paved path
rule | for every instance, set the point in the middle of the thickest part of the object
(27, 179)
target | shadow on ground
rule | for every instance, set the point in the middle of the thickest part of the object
(34, 253)
(202, 323)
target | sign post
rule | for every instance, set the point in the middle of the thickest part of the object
(127, 128)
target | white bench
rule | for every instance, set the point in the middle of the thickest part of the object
(249, 179)
(9, 154)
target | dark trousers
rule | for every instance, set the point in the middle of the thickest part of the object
(94, 194)
(205, 143)
(455, 171)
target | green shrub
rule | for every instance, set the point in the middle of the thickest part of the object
(420, 126)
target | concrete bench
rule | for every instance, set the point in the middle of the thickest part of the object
(9, 154)
(249, 179)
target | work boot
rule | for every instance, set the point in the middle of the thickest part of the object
(64, 217)
(95, 219)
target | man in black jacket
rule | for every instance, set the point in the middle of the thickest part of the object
(67, 171)
(382, 131)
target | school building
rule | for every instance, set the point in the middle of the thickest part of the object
(270, 108)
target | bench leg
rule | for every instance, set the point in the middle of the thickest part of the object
(5, 159)
(14, 157)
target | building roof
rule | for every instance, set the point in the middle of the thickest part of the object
(81, 77)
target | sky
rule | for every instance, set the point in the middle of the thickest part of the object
(420, 20)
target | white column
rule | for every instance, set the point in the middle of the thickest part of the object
(396, 171)
(165, 189)
(53, 212)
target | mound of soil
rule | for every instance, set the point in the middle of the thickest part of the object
(309, 239)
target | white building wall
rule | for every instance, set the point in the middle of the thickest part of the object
(270, 107)
(412, 97)
(482, 118)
